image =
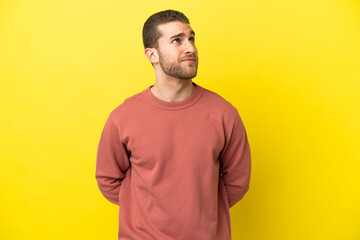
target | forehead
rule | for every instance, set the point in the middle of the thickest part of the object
(173, 28)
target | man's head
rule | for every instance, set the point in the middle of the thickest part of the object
(169, 44)
(150, 32)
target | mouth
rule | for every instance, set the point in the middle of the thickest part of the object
(189, 60)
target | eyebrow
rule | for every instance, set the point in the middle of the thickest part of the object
(182, 34)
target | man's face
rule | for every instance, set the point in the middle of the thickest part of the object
(177, 51)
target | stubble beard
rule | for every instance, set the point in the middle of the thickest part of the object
(175, 69)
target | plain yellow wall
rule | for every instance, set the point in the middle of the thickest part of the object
(292, 68)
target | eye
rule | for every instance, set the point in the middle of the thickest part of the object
(176, 40)
(192, 39)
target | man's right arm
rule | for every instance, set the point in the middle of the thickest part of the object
(112, 162)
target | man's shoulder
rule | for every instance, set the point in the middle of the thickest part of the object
(129, 103)
(216, 101)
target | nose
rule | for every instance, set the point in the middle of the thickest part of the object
(190, 47)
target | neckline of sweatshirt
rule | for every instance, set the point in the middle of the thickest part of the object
(156, 102)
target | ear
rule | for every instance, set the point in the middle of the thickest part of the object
(152, 55)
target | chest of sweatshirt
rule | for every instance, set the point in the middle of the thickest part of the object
(183, 144)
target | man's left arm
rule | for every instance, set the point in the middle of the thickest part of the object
(235, 161)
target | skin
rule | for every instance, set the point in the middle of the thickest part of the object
(173, 73)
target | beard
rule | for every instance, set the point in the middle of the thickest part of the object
(178, 69)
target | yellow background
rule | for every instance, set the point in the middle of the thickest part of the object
(292, 68)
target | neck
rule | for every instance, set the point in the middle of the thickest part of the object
(173, 89)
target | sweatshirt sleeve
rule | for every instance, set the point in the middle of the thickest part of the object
(112, 162)
(235, 162)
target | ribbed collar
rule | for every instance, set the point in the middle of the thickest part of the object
(173, 105)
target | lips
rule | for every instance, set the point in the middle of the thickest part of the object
(189, 60)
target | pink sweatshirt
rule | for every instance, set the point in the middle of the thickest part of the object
(174, 168)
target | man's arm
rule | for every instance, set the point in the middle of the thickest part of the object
(112, 162)
(235, 162)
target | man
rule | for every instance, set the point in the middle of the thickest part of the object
(174, 157)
